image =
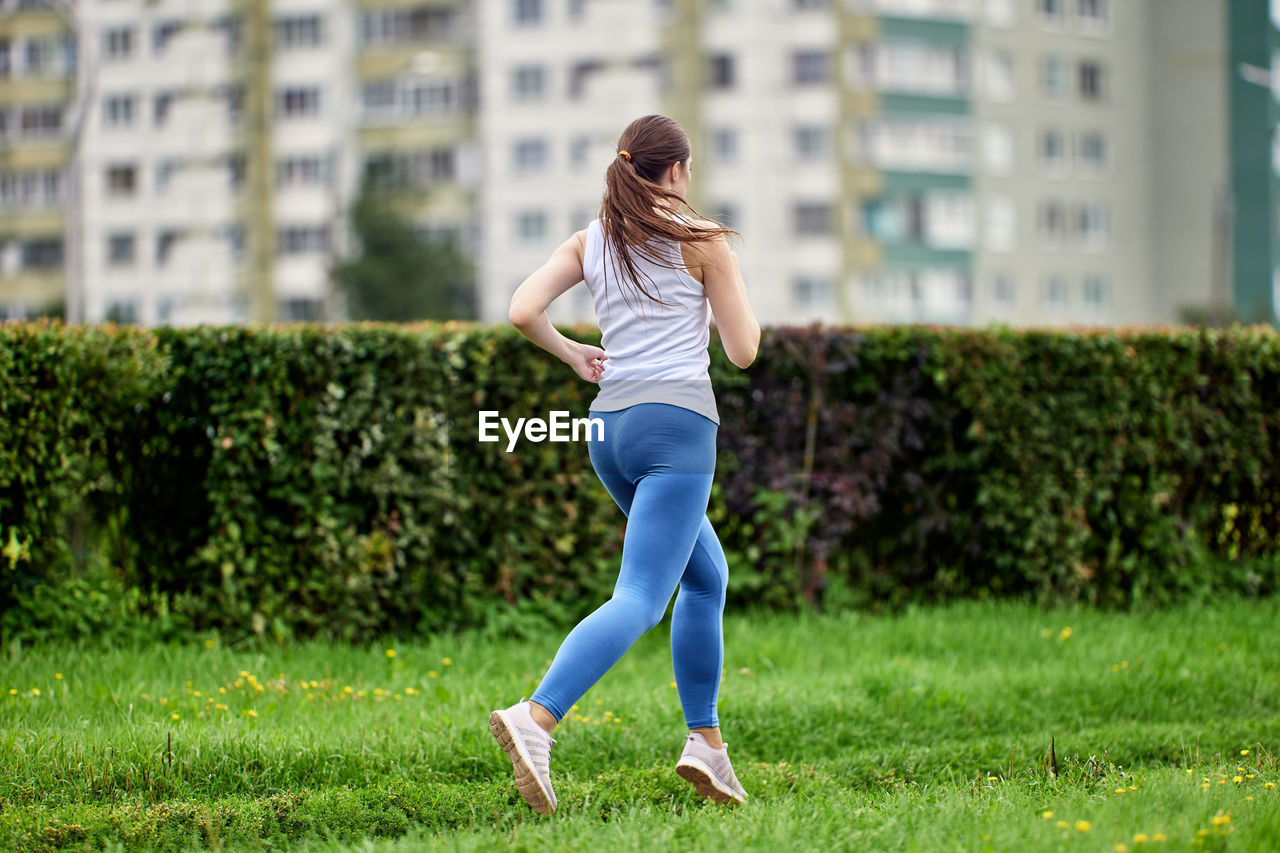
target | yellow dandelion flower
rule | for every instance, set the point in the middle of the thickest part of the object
(220, 707)
(174, 716)
(432, 674)
(447, 661)
(1159, 838)
(359, 694)
(1244, 752)
(1222, 781)
(1083, 826)
(1204, 787)
(13, 691)
(411, 691)
(1121, 848)
(348, 689)
(35, 691)
(672, 685)
(574, 708)
(1047, 815)
(222, 690)
(397, 697)
(244, 673)
(1237, 779)
(1140, 838)
(1066, 633)
(253, 713)
(196, 694)
(1062, 824)
(377, 691)
(1269, 785)
(1133, 787)
(1220, 819)
(1250, 775)
(188, 683)
(1115, 667)
(1124, 664)
(239, 682)
(1122, 790)
(58, 675)
(208, 644)
(1248, 799)
(391, 653)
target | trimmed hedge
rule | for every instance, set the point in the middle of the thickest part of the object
(329, 481)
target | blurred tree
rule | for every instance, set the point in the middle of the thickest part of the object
(398, 274)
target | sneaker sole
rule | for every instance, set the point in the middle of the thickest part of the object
(705, 782)
(527, 782)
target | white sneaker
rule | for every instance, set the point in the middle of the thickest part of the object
(710, 771)
(529, 747)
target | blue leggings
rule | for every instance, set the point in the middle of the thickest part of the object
(657, 462)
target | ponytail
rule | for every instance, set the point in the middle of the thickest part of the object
(631, 212)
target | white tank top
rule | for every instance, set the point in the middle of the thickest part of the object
(656, 353)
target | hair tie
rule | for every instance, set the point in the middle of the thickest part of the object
(626, 154)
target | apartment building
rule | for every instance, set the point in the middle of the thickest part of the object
(1033, 162)
(37, 86)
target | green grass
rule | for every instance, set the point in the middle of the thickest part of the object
(923, 731)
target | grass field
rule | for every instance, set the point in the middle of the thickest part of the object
(922, 731)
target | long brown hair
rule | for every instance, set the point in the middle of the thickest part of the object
(631, 212)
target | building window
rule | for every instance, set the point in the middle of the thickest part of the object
(300, 310)
(161, 104)
(527, 13)
(1093, 224)
(1092, 81)
(1053, 150)
(118, 110)
(531, 226)
(298, 101)
(1094, 15)
(298, 31)
(1093, 293)
(42, 253)
(165, 170)
(1053, 222)
(810, 219)
(811, 142)
(45, 56)
(165, 241)
(1053, 77)
(530, 155)
(1051, 13)
(1001, 236)
(808, 5)
(1091, 151)
(406, 26)
(422, 169)
(1002, 290)
(1055, 291)
(997, 142)
(812, 292)
(579, 151)
(726, 213)
(312, 170)
(809, 67)
(121, 248)
(998, 76)
(40, 122)
(580, 73)
(122, 180)
(162, 34)
(393, 99)
(528, 83)
(117, 44)
(123, 311)
(302, 239)
(724, 145)
(30, 190)
(720, 71)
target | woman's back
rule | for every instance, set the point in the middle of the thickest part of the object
(657, 350)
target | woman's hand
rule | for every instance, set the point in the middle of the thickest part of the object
(586, 360)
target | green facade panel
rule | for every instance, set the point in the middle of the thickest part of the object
(920, 255)
(1255, 189)
(897, 103)
(948, 33)
(900, 182)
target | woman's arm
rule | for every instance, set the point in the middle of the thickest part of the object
(528, 311)
(727, 293)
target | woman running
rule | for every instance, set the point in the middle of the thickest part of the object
(655, 275)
